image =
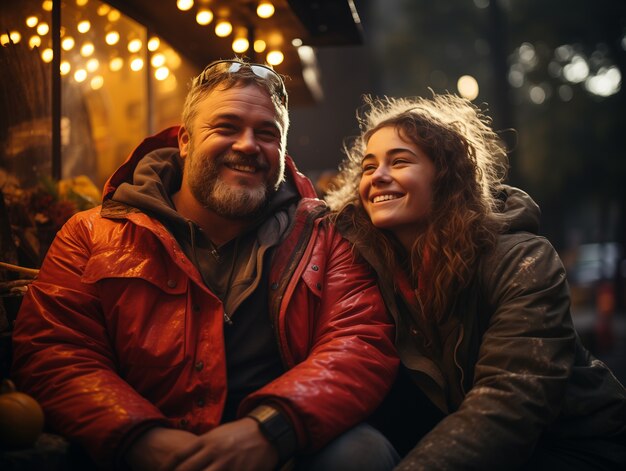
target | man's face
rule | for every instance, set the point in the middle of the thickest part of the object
(234, 155)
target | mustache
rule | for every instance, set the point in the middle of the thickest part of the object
(237, 158)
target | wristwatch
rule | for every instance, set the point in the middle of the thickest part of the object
(277, 429)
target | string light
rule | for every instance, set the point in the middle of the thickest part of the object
(275, 57)
(47, 55)
(15, 36)
(97, 82)
(114, 15)
(134, 45)
(80, 75)
(184, 5)
(116, 64)
(67, 43)
(153, 44)
(112, 38)
(265, 10)
(32, 21)
(92, 64)
(241, 43)
(259, 46)
(34, 41)
(223, 28)
(87, 49)
(46, 5)
(43, 28)
(136, 64)
(83, 26)
(157, 60)
(204, 16)
(65, 68)
(161, 73)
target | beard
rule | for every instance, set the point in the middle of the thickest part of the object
(226, 200)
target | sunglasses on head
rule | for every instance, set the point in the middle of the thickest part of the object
(262, 71)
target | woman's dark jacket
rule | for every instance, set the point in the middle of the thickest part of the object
(510, 369)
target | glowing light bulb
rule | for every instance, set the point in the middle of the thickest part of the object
(15, 36)
(184, 5)
(204, 16)
(92, 64)
(153, 44)
(34, 41)
(87, 49)
(82, 3)
(161, 73)
(103, 10)
(275, 57)
(32, 21)
(43, 28)
(259, 45)
(83, 26)
(467, 87)
(136, 64)
(114, 15)
(65, 67)
(47, 55)
(97, 82)
(46, 5)
(112, 38)
(157, 60)
(265, 10)
(241, 45)
(80, 75)
(67, 43)
(223, 28)
(116, 64)
(4, 39)
(134, 45)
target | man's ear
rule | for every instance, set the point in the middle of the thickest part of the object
(183, 141)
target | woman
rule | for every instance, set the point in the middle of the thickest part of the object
(480, 300)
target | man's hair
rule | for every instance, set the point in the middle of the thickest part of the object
(470, 164)
(213, 77)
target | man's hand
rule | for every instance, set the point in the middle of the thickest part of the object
(236, 446)
(159, 449)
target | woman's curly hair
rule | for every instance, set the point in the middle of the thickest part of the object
(470, 163)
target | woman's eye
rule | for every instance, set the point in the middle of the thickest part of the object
(368, 168)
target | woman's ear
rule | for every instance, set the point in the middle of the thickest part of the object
(183, 141)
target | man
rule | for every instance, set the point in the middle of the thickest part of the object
(207, 314)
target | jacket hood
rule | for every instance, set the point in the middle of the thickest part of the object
(518, 210)
(168, 138)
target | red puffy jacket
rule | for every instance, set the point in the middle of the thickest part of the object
(119, 330)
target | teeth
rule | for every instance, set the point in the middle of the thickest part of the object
(244, 168)
(378, 199)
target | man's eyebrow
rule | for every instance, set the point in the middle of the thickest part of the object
(236, 117)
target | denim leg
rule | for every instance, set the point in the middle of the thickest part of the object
(362, 448)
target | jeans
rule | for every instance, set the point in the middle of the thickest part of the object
(362, 448)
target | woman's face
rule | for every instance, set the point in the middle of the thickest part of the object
(396, 184)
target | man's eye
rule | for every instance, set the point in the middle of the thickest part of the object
(225, 127)
(269, 134)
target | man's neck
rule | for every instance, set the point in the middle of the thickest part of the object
(217, 228)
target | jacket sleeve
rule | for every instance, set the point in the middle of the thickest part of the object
(63, 356)
(524, 363)
(348, 363)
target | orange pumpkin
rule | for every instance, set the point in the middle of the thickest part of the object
(21, 418)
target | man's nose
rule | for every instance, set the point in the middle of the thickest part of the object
(246, 142)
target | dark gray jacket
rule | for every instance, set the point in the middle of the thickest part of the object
(512, 370)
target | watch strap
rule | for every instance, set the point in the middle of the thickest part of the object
(277, 429)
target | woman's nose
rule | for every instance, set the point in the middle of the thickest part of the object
(381, 175)
(246, 142)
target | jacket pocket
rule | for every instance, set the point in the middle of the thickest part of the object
(144, 306)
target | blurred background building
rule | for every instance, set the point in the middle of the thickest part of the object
(83, 81)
